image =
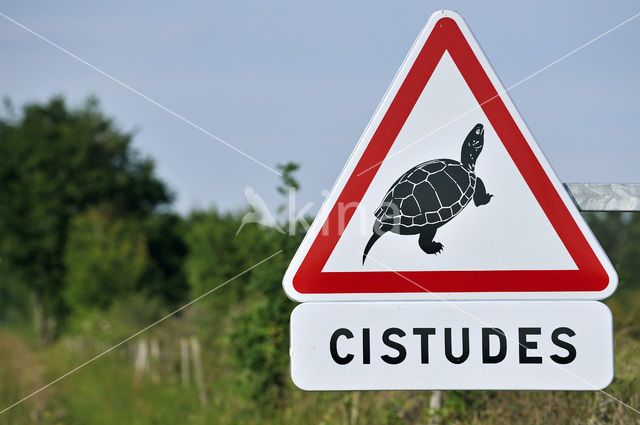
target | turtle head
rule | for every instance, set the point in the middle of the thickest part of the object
(472, 147)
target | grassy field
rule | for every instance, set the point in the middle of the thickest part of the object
(111, 391)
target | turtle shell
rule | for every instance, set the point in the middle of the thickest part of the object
(430, 193)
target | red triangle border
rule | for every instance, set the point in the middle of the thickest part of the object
(590, 275)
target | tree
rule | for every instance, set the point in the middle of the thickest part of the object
(259, 338)
(618, 233)
(56, 162)
(288, 183)
(105, 257)
(217, 254)
(164, 276)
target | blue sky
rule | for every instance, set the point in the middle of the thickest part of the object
(286, 80)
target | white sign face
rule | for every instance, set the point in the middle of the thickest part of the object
(447, 195)
(466, 237)
(535, 345)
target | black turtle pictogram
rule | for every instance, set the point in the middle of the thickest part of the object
(430, 195)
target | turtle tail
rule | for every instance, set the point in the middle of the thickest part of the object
(372, 240)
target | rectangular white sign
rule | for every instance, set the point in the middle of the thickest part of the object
(561, 345)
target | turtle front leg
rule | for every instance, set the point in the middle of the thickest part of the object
(426, 241)
(481, 197)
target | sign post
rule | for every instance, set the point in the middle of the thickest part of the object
(448, 202)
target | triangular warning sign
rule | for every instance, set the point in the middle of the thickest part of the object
(447, 195)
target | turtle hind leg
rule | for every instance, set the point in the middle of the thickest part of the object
(481, 197)
(377, 232)
(427, 243)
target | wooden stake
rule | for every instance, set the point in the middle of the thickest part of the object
(197, 370)
(141, 363)
(184, 361)
(355, 408)
(154, 366)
